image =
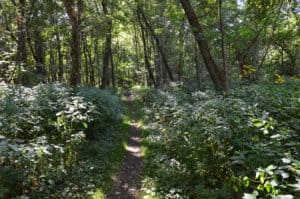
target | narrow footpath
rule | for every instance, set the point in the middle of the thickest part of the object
(126, 184)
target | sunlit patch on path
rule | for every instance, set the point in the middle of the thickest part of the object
(126, 182)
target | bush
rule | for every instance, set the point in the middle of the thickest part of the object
(219, 140)
(43, 130)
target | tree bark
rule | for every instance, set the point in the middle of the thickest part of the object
(86, 62)
(39, 51)
(158, 43)
(197, 29)
(181, 53)
(223, 51)
(91, 66)
(21, 35)
(60, 58)
(197, 66)
(74, 15)
(113, 76)
(107, 48)
(146, 58)
(52, 67)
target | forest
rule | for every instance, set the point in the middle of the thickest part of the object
(149, 99)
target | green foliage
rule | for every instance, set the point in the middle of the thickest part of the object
(203, 142)
(43, 134)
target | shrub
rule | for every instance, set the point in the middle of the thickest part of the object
(222, 139)
(42, 131)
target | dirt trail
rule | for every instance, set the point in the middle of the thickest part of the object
(126, 182)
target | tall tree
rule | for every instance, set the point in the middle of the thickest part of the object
(160, 47)
(107, 53)
(34, 29)
(197, 29)
(21, 36)
(223, 52)
(145, 48)
(74, 9)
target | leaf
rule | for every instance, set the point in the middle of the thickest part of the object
(250, 195)
(283, 174)
(296, 186)
(274, 183)
(284, 197)
(271, 167)
(246, 181)
(258, 123)
(286, 160)
(85, 125)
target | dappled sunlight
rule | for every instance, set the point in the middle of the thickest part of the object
(201, 144)
(99, 194)
(126, 181)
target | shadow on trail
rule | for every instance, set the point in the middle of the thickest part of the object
(126, 184)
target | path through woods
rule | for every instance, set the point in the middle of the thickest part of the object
(126, 182)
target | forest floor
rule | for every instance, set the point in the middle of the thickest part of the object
(125, 183)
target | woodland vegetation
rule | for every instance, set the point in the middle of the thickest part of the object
(215, 85)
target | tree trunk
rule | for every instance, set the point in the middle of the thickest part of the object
(106, 58)
(86, 62)
(158, 43)
(146, 58)
(214, 72)
(21, 36)
(91, 68)
(225, 67)
(37, 51)
(107, 48)
(197, 66)
(136, 48)
(181, 52)
(113, 76)
(52, 67)
(60, 58)
(74, 15)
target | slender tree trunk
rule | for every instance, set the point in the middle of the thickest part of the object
(146, 58)
(225, 67)
(74, 18)
(106, 58)
(52, 67)
(36, 33)
(107, 48)
(197, 29)
(60, 58)
(197, 66)
(86, 62)
(160, 48)
(181, 55)
(75, 76)
(21, 35)
(91, 67)
(113, 76)
(136, 47)
(39, 51)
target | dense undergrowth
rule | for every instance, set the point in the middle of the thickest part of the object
(57, 141)
(202, 144)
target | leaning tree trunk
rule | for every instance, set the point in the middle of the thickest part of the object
(158, 43)
(214, 71)
(146, 58)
